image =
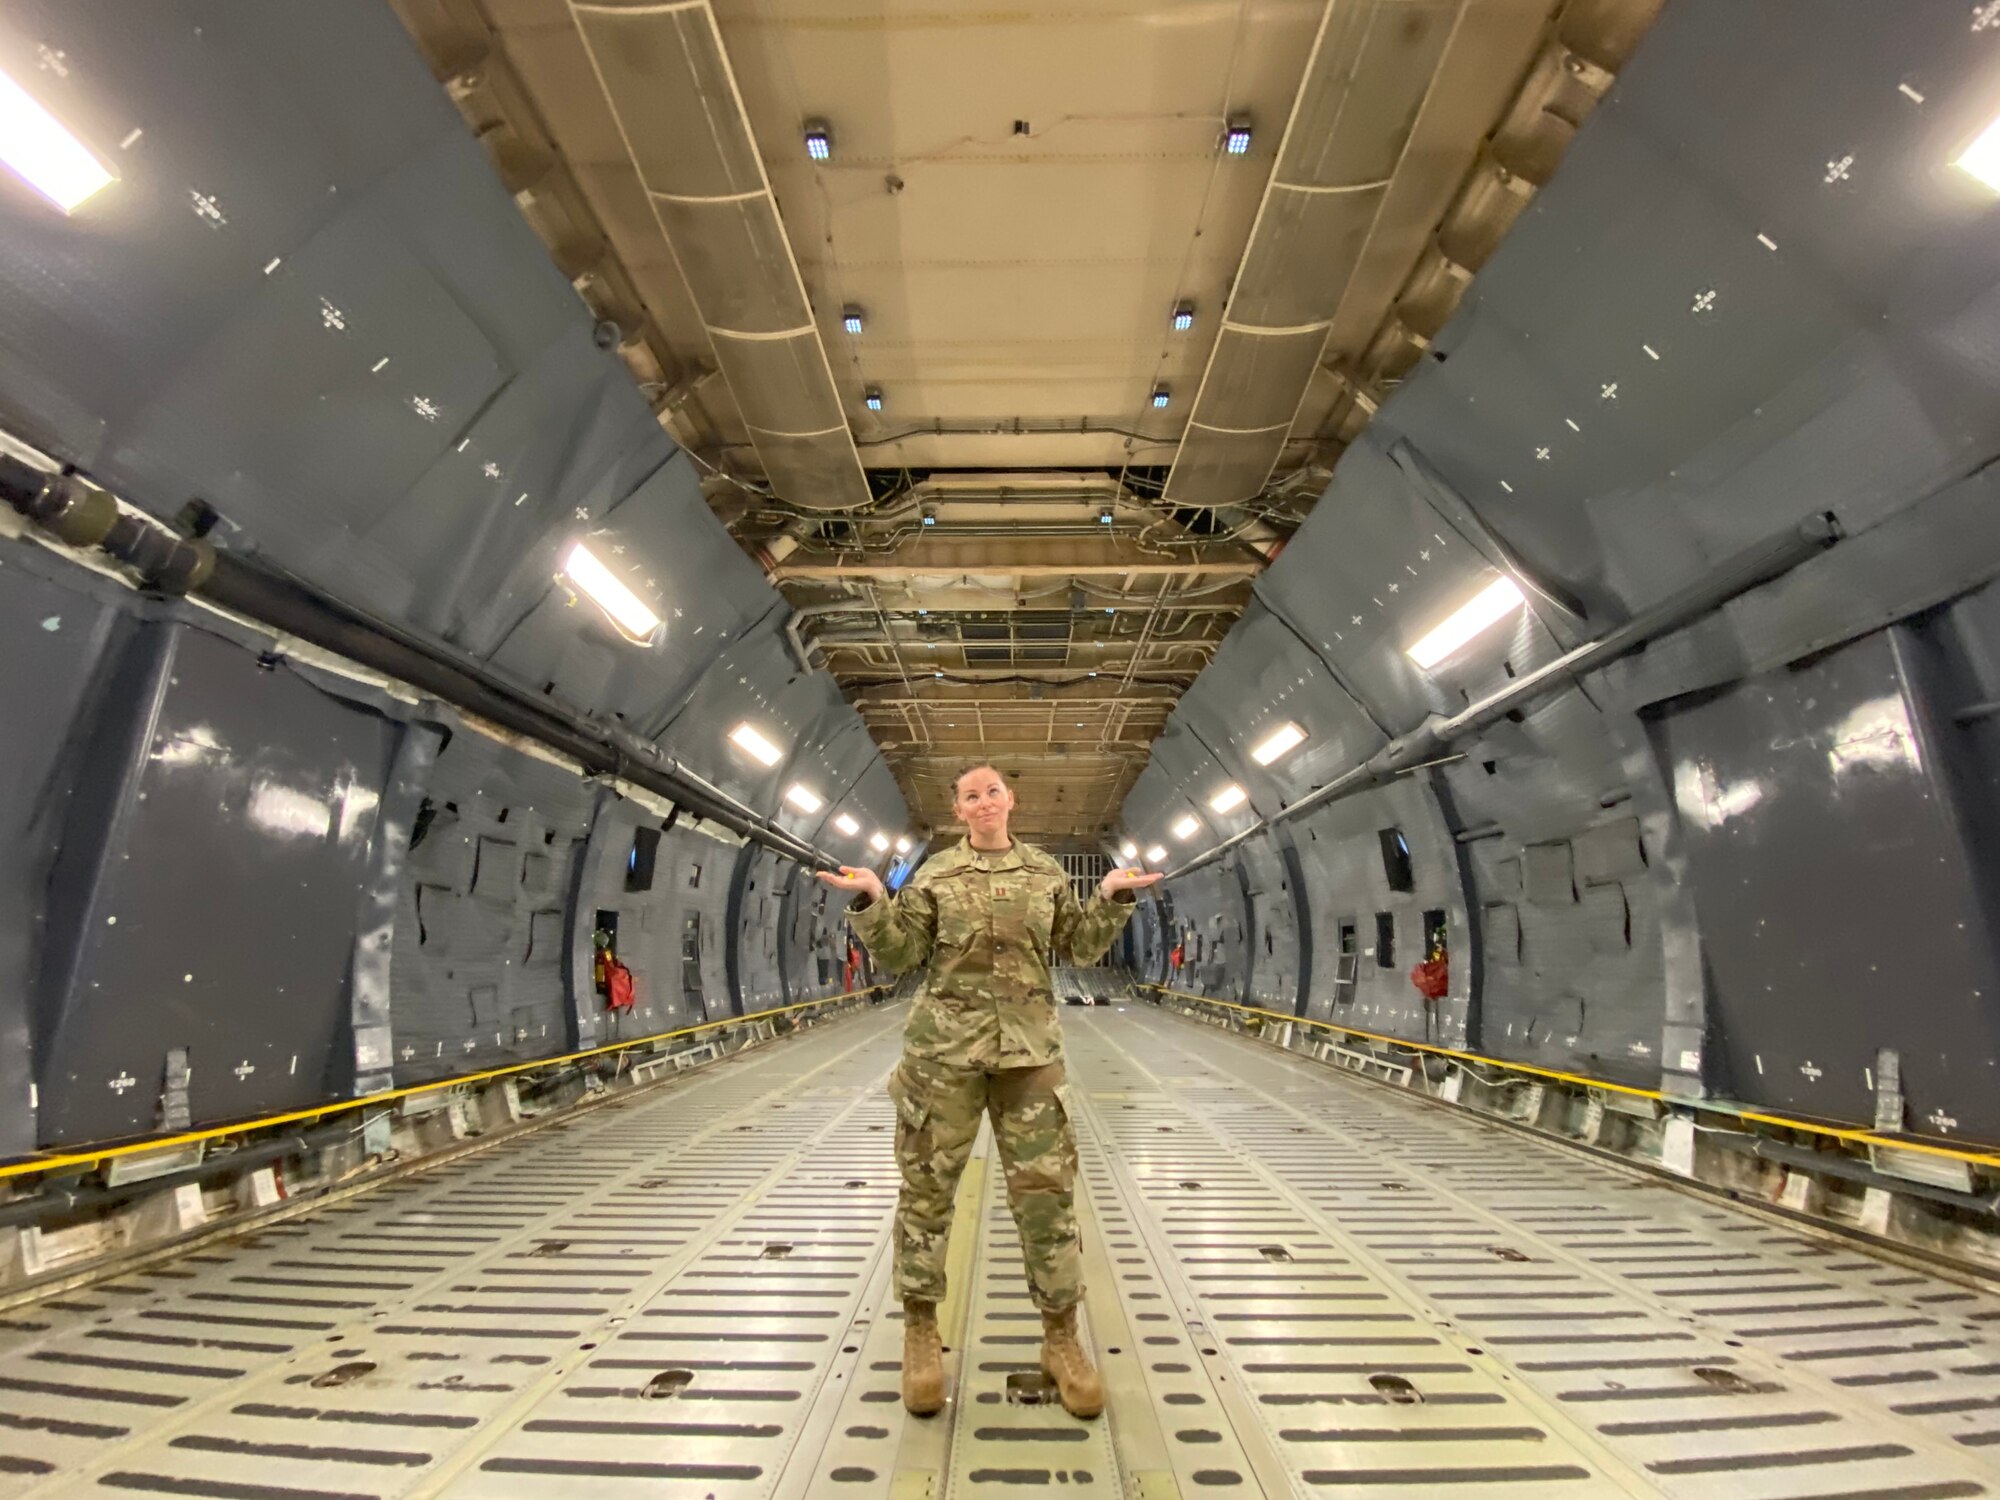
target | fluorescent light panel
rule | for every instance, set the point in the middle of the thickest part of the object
(1278, 743)
(846, 824)
(1157, 854)
(902, 846)
(609, 593)
(1128, 850)
(1982, 157)
(38, 146)
(1229, 798)
(803, 797)
(1488, 607)
(1187, 828)
(879, 842)
(753, 744)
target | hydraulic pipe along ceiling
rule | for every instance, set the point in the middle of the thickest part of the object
(83, 516)
(1756, 564)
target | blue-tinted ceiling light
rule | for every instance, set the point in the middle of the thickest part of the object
(1236, 139)
(1161, 395)
(873, 396)
(1183, 317)
(850, 318)
(819, 140)
(1104, 516)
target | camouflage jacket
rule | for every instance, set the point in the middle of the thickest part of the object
(988, 926)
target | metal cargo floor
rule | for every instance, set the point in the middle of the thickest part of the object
(1300, 1284)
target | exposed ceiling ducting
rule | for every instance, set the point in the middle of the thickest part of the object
(670, 87)
(1017, 206)
(1375, 80)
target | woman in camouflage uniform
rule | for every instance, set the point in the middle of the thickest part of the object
(986, 919)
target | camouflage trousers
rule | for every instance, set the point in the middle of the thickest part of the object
(938, 1107)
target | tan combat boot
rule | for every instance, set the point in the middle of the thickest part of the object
(923, 1359)
(1067, 1363)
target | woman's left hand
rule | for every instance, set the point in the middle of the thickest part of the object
(1128, 880)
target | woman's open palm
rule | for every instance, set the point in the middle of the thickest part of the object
(849, 878)
(1131, 880)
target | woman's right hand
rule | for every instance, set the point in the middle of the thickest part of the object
(864, 880)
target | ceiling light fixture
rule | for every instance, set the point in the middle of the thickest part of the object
(1236, 139)
(803, 797)
(879, 842)
(1157, 855)
(1187, 827)
(846, 824)
(1981, 158)
(1229, 798)
(38, 146)
(1128, 850)
(1279, 742)
(1488, 607)
(1183, 316)
(608, 592)
(1104, 516)
(930, 516)
(850, 318)
(819, 140)
(902, 846)
(872, 395)
(753, 744)
(1161, 396)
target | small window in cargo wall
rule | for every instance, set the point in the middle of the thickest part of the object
(1396, 859)
(639, 863)
(1385, 940)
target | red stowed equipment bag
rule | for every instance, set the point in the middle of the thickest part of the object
(1432, 978)
(618, 991)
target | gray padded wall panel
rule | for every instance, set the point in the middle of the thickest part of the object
(60, 627)
(215, 859)
(1837, 891)
(482, 949)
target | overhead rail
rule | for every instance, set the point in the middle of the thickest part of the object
(90, 1156)
(1756, 564)
(83, 516)
(1852, 1135)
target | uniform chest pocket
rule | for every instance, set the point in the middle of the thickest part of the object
(1026, 912)
(958, 915)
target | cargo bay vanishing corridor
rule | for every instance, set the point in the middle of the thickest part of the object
(1301, 1282)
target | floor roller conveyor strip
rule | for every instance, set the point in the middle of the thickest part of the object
(1300, 1283)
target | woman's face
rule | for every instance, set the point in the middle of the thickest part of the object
(983, 801)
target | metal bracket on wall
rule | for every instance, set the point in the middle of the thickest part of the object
(1888, 1090)
(174, 1114)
